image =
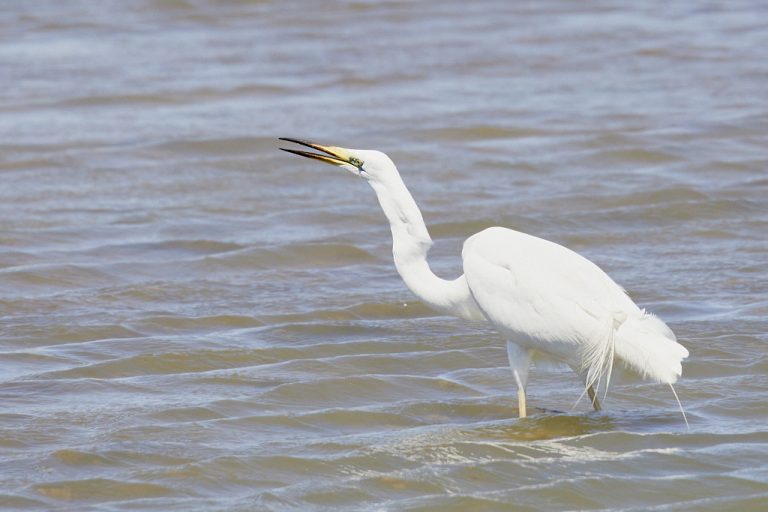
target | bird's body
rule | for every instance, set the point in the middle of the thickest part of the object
(554, 301)
(542, 297)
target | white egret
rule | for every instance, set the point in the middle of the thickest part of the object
(542, 297)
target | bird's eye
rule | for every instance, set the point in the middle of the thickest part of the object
(356, 161)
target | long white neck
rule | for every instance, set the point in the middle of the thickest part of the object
(411, 243)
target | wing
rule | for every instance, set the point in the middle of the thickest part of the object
(543, 295)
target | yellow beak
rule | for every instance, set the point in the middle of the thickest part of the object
(333, 155)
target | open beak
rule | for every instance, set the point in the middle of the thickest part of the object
(332, 154)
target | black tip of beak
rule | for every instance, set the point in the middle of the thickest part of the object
(297, 141)
(300, 142)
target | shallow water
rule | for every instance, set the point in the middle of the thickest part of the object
(193, 320)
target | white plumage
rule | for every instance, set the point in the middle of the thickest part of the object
(549, 299)
(542, 297)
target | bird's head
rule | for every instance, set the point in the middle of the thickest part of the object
(374, 166)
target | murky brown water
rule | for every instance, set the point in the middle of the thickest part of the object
(192, 320)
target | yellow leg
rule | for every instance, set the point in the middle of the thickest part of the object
(519, 361)
(521, 402)
(593, 399)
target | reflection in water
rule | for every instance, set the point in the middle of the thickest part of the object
(545, 425)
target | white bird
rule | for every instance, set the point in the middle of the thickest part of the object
(542, 297)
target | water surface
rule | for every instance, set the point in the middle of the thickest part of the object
(193, 320)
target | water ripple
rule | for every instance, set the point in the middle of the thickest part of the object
(191, 320)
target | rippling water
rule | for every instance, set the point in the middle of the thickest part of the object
(192, 320)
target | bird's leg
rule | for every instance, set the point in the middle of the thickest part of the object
(521, 403)
(593, 398)
(519, 360)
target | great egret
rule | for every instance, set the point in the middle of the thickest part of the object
(542, 297)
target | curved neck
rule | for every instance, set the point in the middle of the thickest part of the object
(410, 244)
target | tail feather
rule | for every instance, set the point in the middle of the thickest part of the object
(648, 346)
(597, 358)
